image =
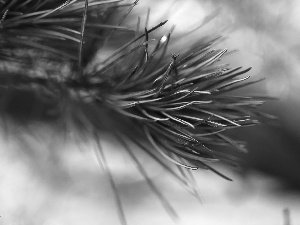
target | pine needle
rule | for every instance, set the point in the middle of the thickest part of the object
(153, 187)
(82, 37)
(102, 161)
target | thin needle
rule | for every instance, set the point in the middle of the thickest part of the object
(102, 161)
(82, 37)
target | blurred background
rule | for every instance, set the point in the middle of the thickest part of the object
(46, 180)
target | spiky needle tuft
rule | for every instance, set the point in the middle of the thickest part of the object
(181, 105)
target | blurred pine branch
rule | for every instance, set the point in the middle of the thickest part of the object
(181, 105)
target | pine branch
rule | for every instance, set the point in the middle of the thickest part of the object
(51, 26)
(180, 104)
